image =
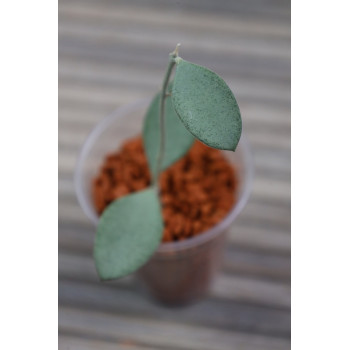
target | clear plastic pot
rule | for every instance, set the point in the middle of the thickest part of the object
(178, 272)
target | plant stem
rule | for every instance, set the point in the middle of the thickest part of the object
(164, 95)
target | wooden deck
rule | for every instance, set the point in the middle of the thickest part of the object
(115, 52)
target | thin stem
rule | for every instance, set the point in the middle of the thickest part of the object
(164, 95)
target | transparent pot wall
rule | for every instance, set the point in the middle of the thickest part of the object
(180, 276)
(181, 271)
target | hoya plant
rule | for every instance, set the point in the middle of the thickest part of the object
(196, 104)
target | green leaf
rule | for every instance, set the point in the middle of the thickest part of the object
(177, 139)
(128, 233)
(206, 106)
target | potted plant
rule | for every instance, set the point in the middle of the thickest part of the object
(196, 105)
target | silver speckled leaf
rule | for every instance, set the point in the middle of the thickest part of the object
(128, 233)
(206, 106)
(177, 138)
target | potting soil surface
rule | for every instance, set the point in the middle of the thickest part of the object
(196, 192)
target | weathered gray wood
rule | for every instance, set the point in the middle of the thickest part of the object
(92, 71)
(231, 287)
(152, 57)
(238, 260)
(153, 17)
(262, 238)
(276, 11)
(226, 315)
(161, 334)
(257, 263)
(69, 342)
(113, 53)
(225, 66)
(109, 34)
(246, 289)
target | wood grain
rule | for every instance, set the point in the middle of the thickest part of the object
(161, 334)
(113, 53)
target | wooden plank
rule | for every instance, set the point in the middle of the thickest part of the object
(131, 80)
(165, 18)
(272, 191)
(69, 342)
(209, 312)
(260, 264)
(112, 34)
(229, 287)
(109, 97)
(82, 268)
(160, 333)
(152, 57)
(246, 289)
(76, 239)
(96, 71)
(263, 213)
(273, 162)
(261, 238)
(238, 260)
(110, 54)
